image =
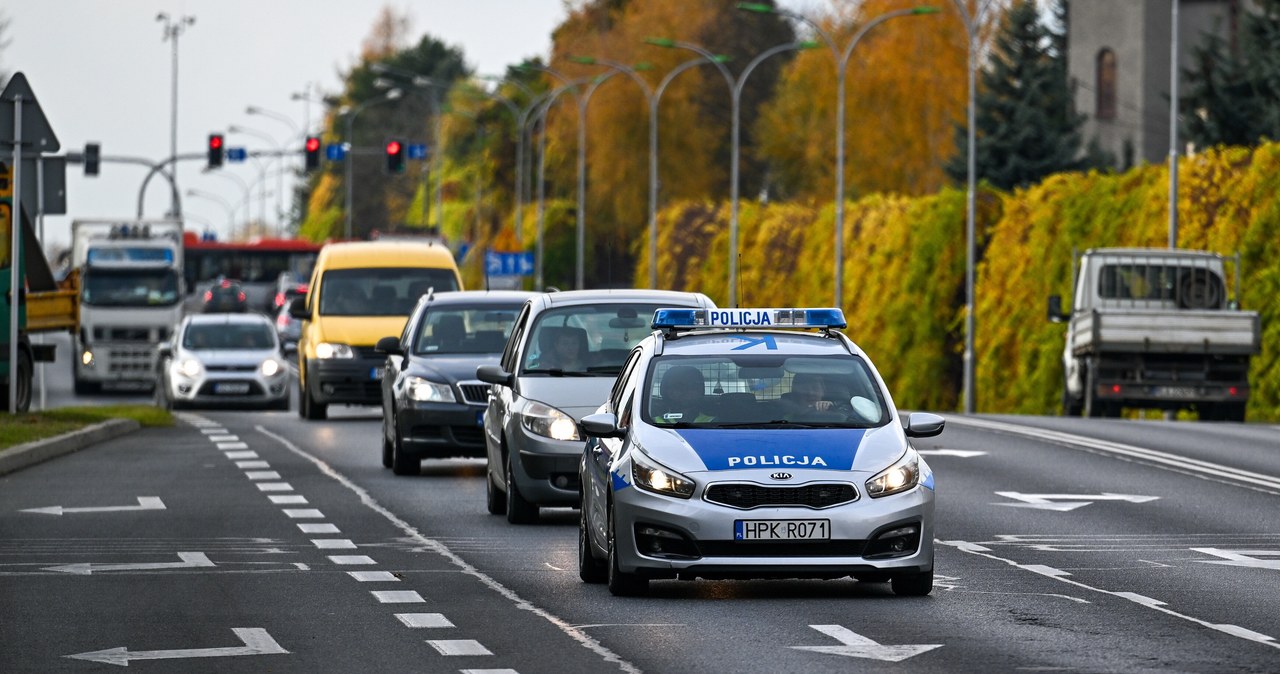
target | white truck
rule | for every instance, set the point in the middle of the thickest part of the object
(1155, 329)
(131, 298)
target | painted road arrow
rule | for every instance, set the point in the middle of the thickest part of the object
(1065, 502)
(190, 560)
(256, 642)
(144, 503)
(855, 645)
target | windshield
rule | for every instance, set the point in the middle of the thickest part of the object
(771, 391)
(588, 339)
(228, 336)
(465, 329)
(130, 287)
(387, 291)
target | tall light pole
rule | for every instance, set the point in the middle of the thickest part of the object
(736, 87)
(245, 200)
(438, 90)
(521, 116)
(543, 104)
(972, 24)
(842, 62)
(351, 113)
(173, 29)
(231, 212)
(306, 98)
(234, 128)
(297, 137)
(1173, 129)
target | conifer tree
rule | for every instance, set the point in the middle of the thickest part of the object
(1234, 98)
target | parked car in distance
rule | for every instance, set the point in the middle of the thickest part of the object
(432, 404)
(224, 296)
(223, 359)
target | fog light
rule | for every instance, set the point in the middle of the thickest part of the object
(658, 542)
(561, 481)
(897, 542)
(184, 388)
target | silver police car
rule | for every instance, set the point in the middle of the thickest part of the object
(753, 443)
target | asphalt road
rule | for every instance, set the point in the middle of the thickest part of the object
(1064, 545)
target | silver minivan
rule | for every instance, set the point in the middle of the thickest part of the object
(561, 360)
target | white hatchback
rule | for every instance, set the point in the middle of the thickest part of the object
(223, 359)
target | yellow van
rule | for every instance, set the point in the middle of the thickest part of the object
(360, 292)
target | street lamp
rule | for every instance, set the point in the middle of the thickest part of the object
(231, 213)
(243, 185)
(842, 62)
(390, 95)
(173, 29)
(735, 89)
(280, 158)
(307, 99)
(521, 116)
(439, 89)
(543, 104)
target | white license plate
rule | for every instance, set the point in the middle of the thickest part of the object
(375, 373)
(781, 530)
(231, 388)
(1175, 391)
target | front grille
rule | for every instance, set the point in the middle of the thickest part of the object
(781, 548)
(123, 334)
(475, 393)
(130, 361)
(746, 496)
(231, 368)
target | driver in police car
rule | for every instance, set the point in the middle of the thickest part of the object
(683, 396)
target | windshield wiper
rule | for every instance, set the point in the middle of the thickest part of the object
(776, 422)
(557, 372)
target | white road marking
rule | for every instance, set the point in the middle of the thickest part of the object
(232, 445)
(333, 543)
(966, 546)
(416, 620)
(1045, 570)
(274, 486)
(301, 566)
(374, 576)
(224, 438)
(958, 453)
(303, 513)
(1248, 558)
(281, 499)
(435, 546)
(553, 568)
(488, 671)
(144, 503)
(458, 647)
(319, 529)
(216, 430)
(352, 560)
(252, 464)
(262, 475)
(242, 455)
(398, 597)
(1066, 502)
(1155, 605)
(190, 560)
(256, 642)
(855, 645)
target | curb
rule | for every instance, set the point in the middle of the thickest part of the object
(28, 454)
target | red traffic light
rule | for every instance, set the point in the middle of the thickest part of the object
(215, 142)
(313, 144)
(215, 150)
(393, 147)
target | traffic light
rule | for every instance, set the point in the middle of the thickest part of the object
(312, 152)
(215, 150)
(91, 158)
(395, 156)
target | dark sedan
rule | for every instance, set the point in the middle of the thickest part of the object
(432, 404)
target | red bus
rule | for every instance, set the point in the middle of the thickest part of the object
(258, 264)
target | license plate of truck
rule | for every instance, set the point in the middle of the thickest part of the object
(781, 530)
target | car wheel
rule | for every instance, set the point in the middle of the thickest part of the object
(497, 504)
(310, 409)
(519, 511)
(590, 569)
(622, 584)
(23, 388)
(387, 449)
(913, 584)
(402, 462)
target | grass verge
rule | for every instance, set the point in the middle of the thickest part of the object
(22, 428)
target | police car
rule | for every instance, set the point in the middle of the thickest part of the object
(753, 443)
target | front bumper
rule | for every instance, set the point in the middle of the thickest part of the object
(545, 470)
(708, 549)
(353, 381)
(229, 388)
(441, 430)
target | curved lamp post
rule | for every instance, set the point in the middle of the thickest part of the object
(842, 61)
(231, 213)
(280, 176)
(351, 113)
(245, 200)
(736, 87)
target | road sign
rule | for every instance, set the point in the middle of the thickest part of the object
(335, 152)
(416, 150)
(37, 135)
(508, 264)
(237, 154)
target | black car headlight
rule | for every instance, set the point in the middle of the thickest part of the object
(904, 474)
(650, 476)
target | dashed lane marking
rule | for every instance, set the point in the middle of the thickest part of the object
(458, 647)
(487, 671)
(333, 543)
(398, 597)
(319, 529)
(232, 445)
(303, 513)
(224, 438)
(417, 620)
(282, 499)
(242, 455)
(262, 475)
(352, 560)
(374, 576)
(274, 486)
(216, 430)
(252, 464)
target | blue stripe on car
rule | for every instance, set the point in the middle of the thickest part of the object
(737, 449)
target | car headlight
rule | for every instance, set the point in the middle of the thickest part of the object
(652, 477)
(271, 367)
(428, 391)
(327, 350)
(904, 474)
(549, 422)
(86, 358)
(190, 367)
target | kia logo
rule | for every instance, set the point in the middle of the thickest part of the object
(781, 476)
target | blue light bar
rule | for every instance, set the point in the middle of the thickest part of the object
(664, 319)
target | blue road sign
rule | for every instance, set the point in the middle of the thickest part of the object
(237, 154)
(335, 151)
(508, 264)
(416, 150)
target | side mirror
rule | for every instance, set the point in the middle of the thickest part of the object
(164, 350)
(1055, 309)
(923, 425)
(298, 309)
(389, 345)
(603, 425)
(494, 374)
